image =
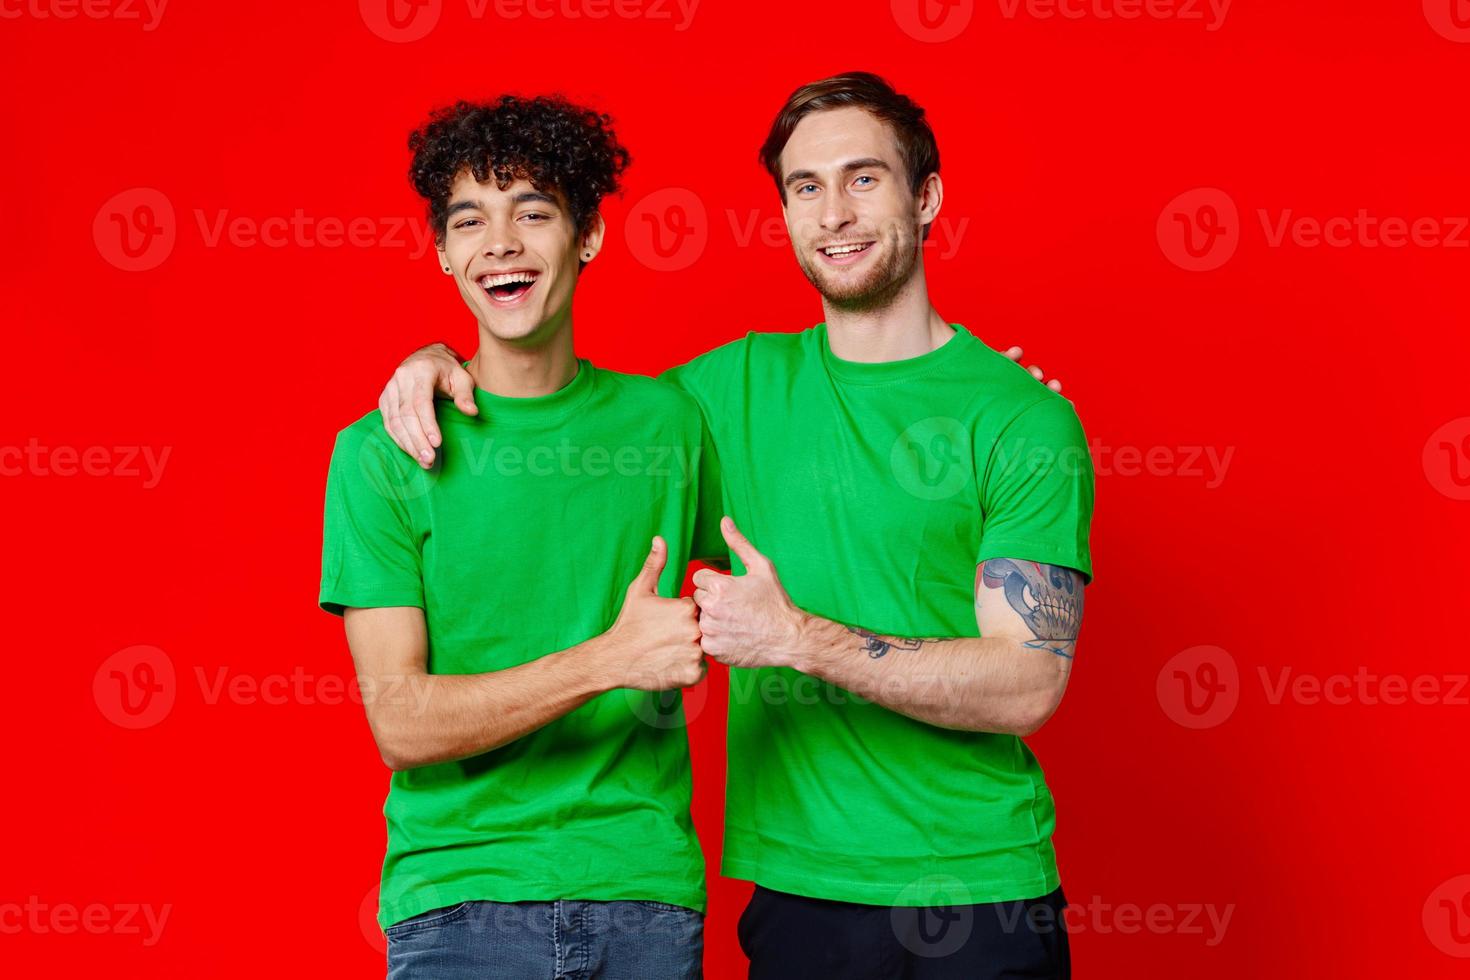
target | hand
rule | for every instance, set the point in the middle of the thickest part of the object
(1014, 353)
(655, 642)
(748, 621)
(407, 402)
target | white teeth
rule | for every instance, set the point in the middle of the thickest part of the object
(506, 278)
(843, 249)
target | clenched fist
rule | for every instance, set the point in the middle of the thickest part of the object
(747, 621)
(654, 645)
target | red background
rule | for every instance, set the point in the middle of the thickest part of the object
(1334, 832)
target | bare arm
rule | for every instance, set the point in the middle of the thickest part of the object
(1009, 680)
(418, 718)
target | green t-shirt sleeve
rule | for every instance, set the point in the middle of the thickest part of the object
(1037, 492)
(370, 554)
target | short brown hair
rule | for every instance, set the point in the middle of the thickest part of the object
(863, 90)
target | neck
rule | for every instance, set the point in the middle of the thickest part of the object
(907, 326)
(520, 371)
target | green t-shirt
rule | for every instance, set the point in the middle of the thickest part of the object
(876, 489)
(522, 542)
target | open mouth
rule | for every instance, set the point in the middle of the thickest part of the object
(508, 288)
(845, 253)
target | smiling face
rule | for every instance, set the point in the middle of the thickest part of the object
(515, 253)
(853, 220)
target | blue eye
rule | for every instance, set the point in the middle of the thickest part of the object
(865, 177)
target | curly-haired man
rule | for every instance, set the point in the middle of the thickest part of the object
(513, 613)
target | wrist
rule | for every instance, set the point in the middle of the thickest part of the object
(600, 661)
(813, 641)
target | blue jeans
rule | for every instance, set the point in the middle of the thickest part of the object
(562, 940)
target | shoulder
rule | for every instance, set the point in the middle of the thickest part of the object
(365, 451)
(757, 344)
(653, 394)
(652, 405)
(1019, 401)
(367, 430)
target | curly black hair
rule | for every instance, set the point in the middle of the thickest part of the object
(547, 140)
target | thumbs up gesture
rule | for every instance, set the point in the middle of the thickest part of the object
(654, 645)
(749, 620)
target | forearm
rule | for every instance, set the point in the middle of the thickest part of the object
(434, 718)
(983, 684)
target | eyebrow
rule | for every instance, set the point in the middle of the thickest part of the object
(524, 197)
(864, 163)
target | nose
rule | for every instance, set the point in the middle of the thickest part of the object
(501, 240)
(837, 212)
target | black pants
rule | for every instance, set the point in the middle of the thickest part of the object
(788, 937)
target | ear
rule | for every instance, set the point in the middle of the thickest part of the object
(931, 196)
(444, 265)
(591, 242)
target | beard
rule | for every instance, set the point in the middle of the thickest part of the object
(877, 286)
